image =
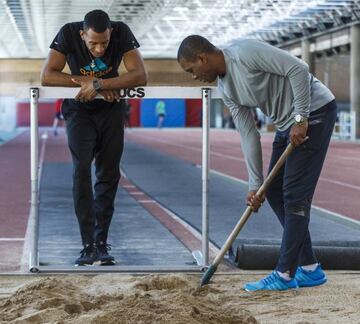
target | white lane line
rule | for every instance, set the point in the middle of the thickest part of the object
(340, 183)
(229, 157)
(227, 176)
(334, 214)
(11, 239)
(168, 142)
(345, 158)
(212, 248)
(191, 148)
(339, 216)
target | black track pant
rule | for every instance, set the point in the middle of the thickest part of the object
(95, 135)
(291, 192)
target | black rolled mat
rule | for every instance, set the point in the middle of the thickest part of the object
(264, 257)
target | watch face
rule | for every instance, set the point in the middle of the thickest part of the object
(298, 118)
(96, 85)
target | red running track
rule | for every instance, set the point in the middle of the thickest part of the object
(338, 188)
(15, 193)
(14, 200)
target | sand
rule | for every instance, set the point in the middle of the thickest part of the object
(173, 299)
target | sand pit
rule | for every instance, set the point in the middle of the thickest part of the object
(176, 298)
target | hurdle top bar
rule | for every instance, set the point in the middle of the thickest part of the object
(129, 93)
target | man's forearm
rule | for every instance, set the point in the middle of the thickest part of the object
(127, 80)
(59, 79)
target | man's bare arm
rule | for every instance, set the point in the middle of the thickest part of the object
(52, 75)
(135, 76)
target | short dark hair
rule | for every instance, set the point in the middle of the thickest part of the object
(193, 45)
(97, 20)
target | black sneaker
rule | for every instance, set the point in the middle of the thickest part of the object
(87, 256)
(103, 256)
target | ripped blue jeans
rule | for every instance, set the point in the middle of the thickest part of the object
(291, 192)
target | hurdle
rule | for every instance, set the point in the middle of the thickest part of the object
(206, 94)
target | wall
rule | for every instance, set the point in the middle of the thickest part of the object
(7, 113)
(16, 73)
(193, 113)
(45, 116)
(338, 79)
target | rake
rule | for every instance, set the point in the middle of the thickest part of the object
(245, 216)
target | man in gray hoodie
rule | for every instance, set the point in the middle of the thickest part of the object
(250, 74)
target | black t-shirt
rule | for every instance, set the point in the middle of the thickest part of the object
(69, 42)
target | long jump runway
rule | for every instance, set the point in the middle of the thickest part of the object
(137, 238)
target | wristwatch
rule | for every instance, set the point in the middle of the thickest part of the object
(97, 85)
(299, 120)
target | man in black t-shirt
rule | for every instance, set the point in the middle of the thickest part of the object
(93, 50)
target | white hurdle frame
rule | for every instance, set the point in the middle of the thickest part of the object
(36, 93)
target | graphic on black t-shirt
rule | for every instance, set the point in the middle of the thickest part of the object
(96, 68)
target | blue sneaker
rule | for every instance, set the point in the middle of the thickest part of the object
(310, 278)
(272, 282)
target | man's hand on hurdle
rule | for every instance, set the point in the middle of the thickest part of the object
(110, 95)
(87, 91)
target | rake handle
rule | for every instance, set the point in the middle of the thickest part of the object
(245, 216)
